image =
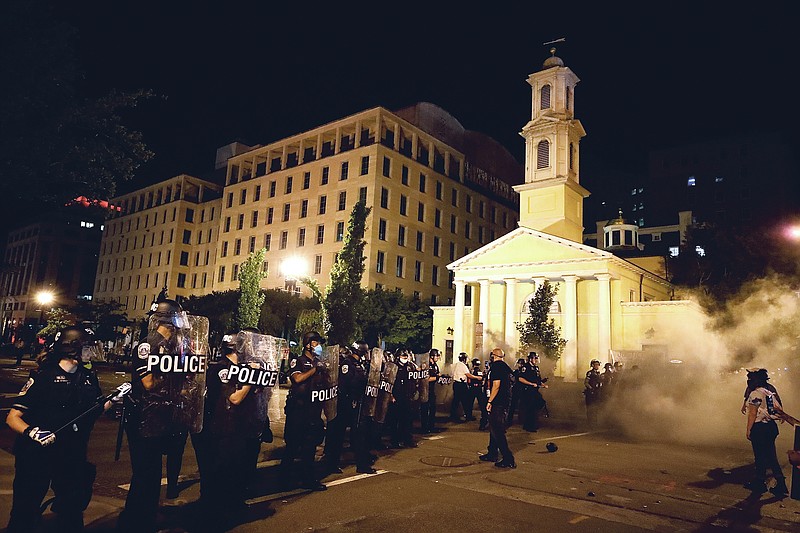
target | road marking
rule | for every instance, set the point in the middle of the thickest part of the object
(578, 519)
(279, 495)
(435, 437)
(565, 436)
(353, 478)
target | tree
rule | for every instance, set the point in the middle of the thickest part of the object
(105, 318)
(398, 320)
(344, 294)
(55, 144)
(250, 296)
(218, 307)
(57, 319)
(539, 332)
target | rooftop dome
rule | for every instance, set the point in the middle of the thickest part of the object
(619, 221)
(553, 60)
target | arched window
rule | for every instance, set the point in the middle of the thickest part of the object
(543, 154)
(568, 98)
(571, 156)
(545, 100)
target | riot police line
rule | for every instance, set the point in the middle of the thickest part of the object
(176, 390)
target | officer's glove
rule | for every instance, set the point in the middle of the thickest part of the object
(321, 365)
(121, 391)
(41, 436)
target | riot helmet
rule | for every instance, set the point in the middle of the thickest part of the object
(171, 314)
(434, 353)
(229, 341)
(593, 361)
(69, 342)
(462, 357)
(311, 336)
(476, 362)
(361, 348)
(533, 355)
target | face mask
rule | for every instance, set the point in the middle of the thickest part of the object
(404, 360)
(318, 350)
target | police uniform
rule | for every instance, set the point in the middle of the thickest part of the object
(428, 409)
(533, 397)
(303, 429)
(477, 391)
(352, 383)
(518, 391)
(592, 386)
(51, 398)
(402, 391)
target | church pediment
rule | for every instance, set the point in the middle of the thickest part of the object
(527, 246)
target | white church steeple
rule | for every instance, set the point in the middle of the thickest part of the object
(551, 199)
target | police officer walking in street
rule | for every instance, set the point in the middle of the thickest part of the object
(499, 400)
(592, 388)
(534, 401)
(53, 438)
(303, 430)
(427, 409)
(352, 384)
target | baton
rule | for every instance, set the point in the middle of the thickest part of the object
(100, 401)
(120, 432)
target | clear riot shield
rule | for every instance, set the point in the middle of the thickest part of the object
(373, 383)
(422, 361)
(388, 375)
(176, 353)
(325, 384)
(264, 351)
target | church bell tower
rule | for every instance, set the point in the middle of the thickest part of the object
(551, 199)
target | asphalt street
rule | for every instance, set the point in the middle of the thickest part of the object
(595, 481)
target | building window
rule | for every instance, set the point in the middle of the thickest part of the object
(301, 237)
(545, 97)
(242, 196)
(437, 219)
(452, 224)
(272, 185)
(387, 165)
(182, 280)
(222, 273)
(435, 275)
(345, 167)
(230, 199)
(438, 190)
(235, 273)
(421, 212)
(284, 240)
(270, 214)
(418, 271)
(187, 237)
(184, 258)
(224, 252)
(543, 154)
(254, 219)
(399, 266)
(656, 237)
(401, 235)
(306, 180)
(339, 231)
(691, 182)
(436, 246)
(467, 229)
(257, 195)
(237, 247)
(240, 221)
(288, 185)
(304, 209)
(323, 204)
(320, 233)
(420, 240)
(267, 241)
(469, 204)
(384, 198)
(403, 204)
(252, 246)
(571, 156)
(452, 251)
(227, 227)
(422, 180)
(324, 180)
(342, 200)
(189, 216)
(404, 175)
(382, 230)
(454, 197)
(286, 209)
(380, 262)
(317, 264)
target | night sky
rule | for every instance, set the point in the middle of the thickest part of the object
(651, 76)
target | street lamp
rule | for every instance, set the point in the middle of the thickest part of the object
(44, 298)
(293, 268)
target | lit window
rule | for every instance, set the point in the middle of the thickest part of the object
(719, 179)
(633, 192)
(700, 251)
(691, 182)
(674, 251)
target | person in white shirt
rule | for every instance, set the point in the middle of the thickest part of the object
(763, 409)
(461, 395)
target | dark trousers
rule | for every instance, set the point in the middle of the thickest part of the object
(174, 463)
(497, 433)
(762, 437)
(592, 409)
(461, 397)
(141, 504)
(302, 432)
(427, 413)
(35, 470)
(516, 395)
(346, 417)
(532, 404)
(401, 422)
(480, 395)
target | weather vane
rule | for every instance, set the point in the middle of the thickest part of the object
(553, 49)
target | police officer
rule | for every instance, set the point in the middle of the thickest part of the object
(592, 386)
(352, 384)
(477, 390)
(303, 430)
(533, 397)
(461, 393)
(51, 447)
(164, 407)
(517, 392)
(402, 392)
(428, 409)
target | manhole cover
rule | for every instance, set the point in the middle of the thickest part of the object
(440, 460)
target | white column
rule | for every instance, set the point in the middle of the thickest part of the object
(569, 359)
(483, 312)
(603, 316)
(511, 315)
(458, 326)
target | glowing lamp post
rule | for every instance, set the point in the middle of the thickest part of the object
(293, 268)
(44, 298)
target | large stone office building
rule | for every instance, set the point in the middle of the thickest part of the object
(437, 192)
